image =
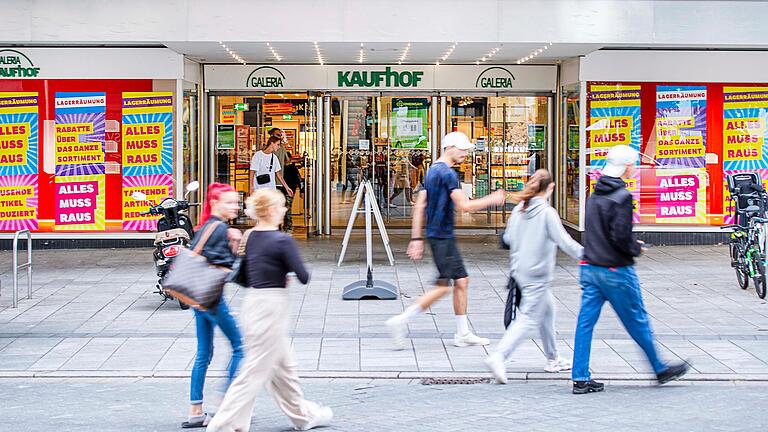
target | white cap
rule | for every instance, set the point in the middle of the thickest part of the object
(617, 160)
(458, 140)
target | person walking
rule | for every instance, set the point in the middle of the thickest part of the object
(266, 168)
(533, 233)
(608, 272)
(269, 256)
(284, 157)
(437, 201)
(221, 205)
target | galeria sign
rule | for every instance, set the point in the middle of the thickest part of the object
(379, 78)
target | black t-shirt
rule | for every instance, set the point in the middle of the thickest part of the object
(269, 257)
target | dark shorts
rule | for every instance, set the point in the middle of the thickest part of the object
(450, 265)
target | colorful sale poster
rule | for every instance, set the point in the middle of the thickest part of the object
(18, 202)
(614, 112)
(147, 133)
(681, 196)
(632, 187)
(156, 187)
(79, 133)
(80, 203)
(681, 126)
(18, 133)
(745, 120)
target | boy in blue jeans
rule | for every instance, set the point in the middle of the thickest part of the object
(608, 272)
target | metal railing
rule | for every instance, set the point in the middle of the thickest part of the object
(17, 266)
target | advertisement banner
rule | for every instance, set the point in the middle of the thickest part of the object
(681, 196)
(18, 133)
(745, 121)
(80, 203)
(79, 133)
(614, 112)
(681, 126)
(156, 187)
(729, 207)
(409, 121)
(18, 202)
(147, 133)
(633, 186)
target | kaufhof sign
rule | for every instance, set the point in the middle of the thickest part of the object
(385, 77)
(381, 78)
(14, 64)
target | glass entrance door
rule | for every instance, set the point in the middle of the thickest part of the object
(511, 136)
(384, 140)
(243, 127)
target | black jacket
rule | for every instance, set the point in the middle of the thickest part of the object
(608, 238)
(216, 249)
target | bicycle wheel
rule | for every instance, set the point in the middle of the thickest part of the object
(742, 275)
(759, 263)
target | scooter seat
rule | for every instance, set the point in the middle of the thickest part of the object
(165, 236)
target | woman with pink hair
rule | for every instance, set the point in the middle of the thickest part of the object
(221, 205)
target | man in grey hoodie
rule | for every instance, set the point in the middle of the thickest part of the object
(533, 234)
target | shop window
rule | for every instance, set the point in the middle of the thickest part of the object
(690, 137)
(73, 151)
(568, 168)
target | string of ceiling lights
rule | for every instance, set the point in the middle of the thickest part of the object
(274, 52)
(361, 56)
(317, 52)
(488, 56)
(447, 53)
(235, 56)
(533, 54)
(404, 55)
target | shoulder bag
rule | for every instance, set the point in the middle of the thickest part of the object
(193, 280)
(265, 178)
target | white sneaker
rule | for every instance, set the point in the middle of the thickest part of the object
(398, 331)
(495, 363)
(557, 365)
(469, 339)
(322, 417)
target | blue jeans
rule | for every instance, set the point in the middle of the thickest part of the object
(620, 286)
(205, 322)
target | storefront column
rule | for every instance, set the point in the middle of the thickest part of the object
(582, 154)
(179, 147)
(212, 120)
(434, 137)
(326, 156)
(319, 179)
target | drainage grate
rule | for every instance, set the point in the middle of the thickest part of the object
(454, 381)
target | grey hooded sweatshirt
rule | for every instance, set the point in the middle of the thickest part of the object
(533, 237)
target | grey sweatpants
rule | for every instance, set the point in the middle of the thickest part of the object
(537, 312)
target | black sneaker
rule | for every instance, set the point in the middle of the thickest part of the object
(672, 373)
(584, 387)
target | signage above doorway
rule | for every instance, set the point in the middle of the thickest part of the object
(400, 78)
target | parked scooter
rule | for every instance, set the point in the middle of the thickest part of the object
(174, 231)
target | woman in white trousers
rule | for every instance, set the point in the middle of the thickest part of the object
(268, 255)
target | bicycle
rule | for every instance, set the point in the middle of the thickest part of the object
(748, 252)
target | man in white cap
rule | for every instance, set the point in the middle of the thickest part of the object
(441, 194)
(608, 272)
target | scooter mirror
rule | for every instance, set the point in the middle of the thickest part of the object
(195, 185)
(139, 196)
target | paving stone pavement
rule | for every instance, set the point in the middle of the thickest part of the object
(112, 404)
(94, 313)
